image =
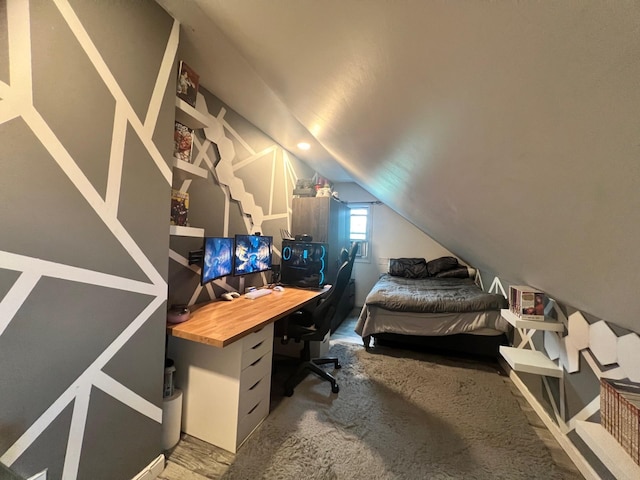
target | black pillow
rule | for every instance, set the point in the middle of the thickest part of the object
(441, 264)
(408, 267)
(459, 272)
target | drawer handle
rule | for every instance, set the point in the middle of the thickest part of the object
(257, 345)
(255, 385)
(256, 362)
(251, 411)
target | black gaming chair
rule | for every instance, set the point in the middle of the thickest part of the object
(312, 325)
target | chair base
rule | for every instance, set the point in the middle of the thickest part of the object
(313, 365)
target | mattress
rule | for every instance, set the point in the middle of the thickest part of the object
(374, 320)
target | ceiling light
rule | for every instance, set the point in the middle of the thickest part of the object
(304, 146)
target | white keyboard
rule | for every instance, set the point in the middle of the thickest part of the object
(257, 293)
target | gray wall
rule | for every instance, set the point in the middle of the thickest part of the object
(392, 236)
(86, 124)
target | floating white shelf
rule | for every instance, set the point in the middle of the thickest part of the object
(518, 322)
(530, 361)
(186, 231)
(608, 450)
(190, 167)
(189, 116)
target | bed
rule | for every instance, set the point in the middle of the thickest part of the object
(433, 303)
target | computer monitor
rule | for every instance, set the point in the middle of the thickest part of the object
(304, 264)
(217, 259)
(252, 254)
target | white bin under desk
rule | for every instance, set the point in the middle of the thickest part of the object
(225, 390)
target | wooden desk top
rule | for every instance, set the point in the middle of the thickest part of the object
(219, 322)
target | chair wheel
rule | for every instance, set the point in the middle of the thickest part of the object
(288, 392)
(338, 366)
(335, 388)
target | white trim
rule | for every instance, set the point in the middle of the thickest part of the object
(153, 470)
(574, 454)
(39, 476)
(608, 450)
(368, 234)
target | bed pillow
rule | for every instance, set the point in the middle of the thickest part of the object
(408, 267)
(441, 264)
(459, 272)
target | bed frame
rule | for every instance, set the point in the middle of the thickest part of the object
(459, 317)
(461, 343)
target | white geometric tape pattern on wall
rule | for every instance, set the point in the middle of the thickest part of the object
(215, 130)
(596, 344)
(17, 102)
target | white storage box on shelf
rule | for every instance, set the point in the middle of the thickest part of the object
(526, 302)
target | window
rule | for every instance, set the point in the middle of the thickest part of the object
(360, 228)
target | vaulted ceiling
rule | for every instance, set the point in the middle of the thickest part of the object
(507, 131)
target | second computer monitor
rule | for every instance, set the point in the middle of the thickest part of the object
(252, 254)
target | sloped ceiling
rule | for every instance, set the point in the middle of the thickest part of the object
(507, 131)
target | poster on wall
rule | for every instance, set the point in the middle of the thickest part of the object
(188, 82)
(182, 142)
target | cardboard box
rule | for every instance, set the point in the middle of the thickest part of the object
(527, 302)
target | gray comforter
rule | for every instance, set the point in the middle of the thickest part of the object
(432, 295)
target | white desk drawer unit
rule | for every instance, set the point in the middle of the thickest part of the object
(226, 390)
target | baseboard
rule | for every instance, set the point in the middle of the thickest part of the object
(151, 471)
(570, 449)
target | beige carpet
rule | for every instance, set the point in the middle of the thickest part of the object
(399, 415)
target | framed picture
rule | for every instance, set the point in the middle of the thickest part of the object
(182, 142)
(188, 82)
(179, 208)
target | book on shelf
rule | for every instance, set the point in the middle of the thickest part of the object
(179, 208)
(182, 142)
(188, 83)
(620, 413)
(526, 302)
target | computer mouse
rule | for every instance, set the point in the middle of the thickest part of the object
(278, 288)
(227, 296)
(234, 294)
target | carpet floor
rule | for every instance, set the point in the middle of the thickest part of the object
(399, 415)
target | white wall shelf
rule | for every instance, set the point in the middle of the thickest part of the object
(530, 361)
(186, 231)
(189, 116)
(190, 168)
(518, 322)
(608, 450)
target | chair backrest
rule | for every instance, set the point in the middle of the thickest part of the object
(324, 312)
(353, 251)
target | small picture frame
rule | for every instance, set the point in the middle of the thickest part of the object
(188, 83)
(182, 142)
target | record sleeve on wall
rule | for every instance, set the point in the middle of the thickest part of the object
(182, 142)
(179, 208)
(188, 82)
